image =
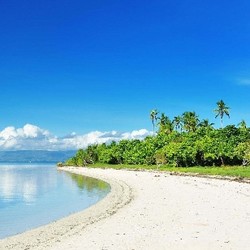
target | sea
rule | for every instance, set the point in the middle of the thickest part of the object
(32, 195)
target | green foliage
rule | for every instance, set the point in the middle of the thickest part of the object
(59, 164)
(181, 142)
(71, 161)
(234, 171)
(242, 151)
(205, 146)
(166, 126)
(190, 121)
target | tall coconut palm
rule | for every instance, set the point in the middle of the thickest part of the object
(154, 116)
(221, 110)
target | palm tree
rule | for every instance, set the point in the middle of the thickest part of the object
(162, 121)
(242, 125)
(166, 125)
(177, 122)
(154, 116)
(221, 110)
(190, 121)
(206, 124)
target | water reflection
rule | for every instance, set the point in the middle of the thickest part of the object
(19, 183)
(35, 194)
(89, 184)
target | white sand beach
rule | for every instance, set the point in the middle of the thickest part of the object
(149, 210)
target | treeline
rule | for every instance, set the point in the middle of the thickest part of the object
(183, 141)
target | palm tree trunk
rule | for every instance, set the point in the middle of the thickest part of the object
(221, 122)
(222, 161)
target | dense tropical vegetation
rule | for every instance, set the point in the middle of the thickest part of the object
(183, 141)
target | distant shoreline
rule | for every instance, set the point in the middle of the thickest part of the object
(34, 156)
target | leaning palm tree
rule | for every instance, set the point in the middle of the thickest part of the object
(154, 116)
(221, 110)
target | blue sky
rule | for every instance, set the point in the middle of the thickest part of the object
(81, 66)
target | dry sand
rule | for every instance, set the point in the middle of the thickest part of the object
(155, 211)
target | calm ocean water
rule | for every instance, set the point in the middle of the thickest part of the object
(35, 195)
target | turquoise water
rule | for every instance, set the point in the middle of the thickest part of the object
(35, 195)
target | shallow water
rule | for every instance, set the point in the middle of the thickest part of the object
(35, 195)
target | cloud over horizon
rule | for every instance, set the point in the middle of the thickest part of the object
(31, 137)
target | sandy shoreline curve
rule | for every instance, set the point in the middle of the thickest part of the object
(45, 236)
(150, 210)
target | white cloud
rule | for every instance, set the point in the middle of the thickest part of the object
(28, 137)
(136, 134)
(33, 137)
(97, 137)
(31, 131)
(8, 133)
